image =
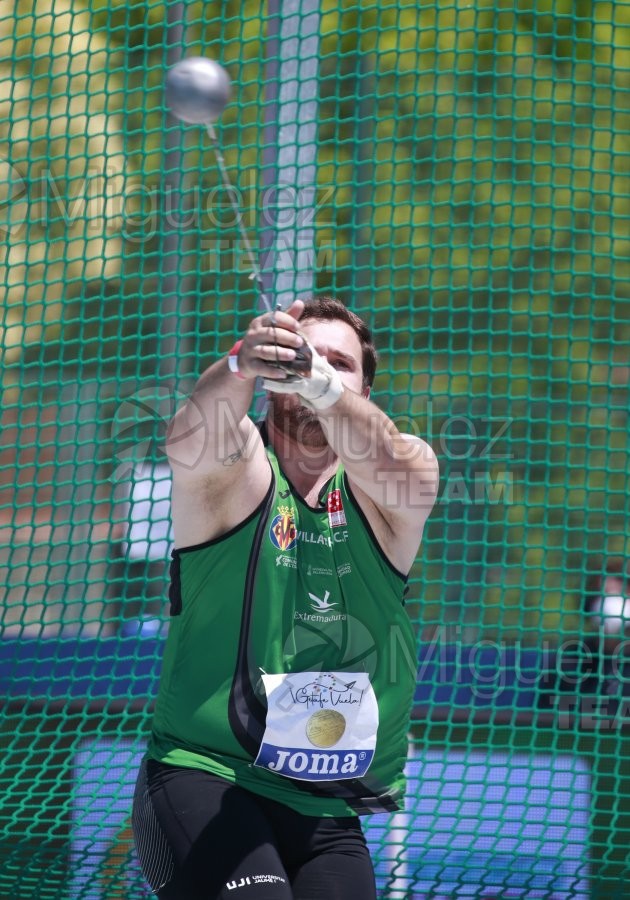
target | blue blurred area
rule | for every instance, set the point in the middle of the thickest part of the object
(128, 667)
(486, 824)
(476, 824)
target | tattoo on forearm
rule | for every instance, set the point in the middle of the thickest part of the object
(233, 458)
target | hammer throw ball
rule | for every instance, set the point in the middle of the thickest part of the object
(197, 90)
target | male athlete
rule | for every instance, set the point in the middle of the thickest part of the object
(290, 662)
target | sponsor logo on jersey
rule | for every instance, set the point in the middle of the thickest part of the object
(334, 505)
(324, 617)
(282, 531)
(318, 570)
(321, 604)
(325, 540)
(325, 611)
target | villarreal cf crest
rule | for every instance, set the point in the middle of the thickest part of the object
(282, 531)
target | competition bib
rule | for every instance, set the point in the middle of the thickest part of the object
(321, 726)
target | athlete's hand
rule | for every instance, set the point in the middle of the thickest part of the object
(319, 389)
(271, 344)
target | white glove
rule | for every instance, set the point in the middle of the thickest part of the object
(319, 390)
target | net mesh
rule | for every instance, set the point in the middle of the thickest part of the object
(458, 174)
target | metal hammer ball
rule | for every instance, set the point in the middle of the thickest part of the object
(197, 90)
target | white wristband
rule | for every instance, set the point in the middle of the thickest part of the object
(329, 384)
(319, 390)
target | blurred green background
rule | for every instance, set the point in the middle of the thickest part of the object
(473, 202)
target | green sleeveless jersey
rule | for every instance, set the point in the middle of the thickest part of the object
(290, 663)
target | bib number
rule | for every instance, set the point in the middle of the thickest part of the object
(321, 726)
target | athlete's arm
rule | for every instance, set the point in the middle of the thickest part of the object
(397, 472)
(220, 470)
(213, 431)
(394, 476)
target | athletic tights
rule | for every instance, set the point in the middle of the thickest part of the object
(200, 837)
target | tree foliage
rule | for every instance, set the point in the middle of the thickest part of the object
(62, 166)
(473, 185)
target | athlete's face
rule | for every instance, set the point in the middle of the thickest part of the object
(339, 344)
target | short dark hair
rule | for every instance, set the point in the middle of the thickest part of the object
(329, 309)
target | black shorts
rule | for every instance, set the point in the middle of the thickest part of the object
(199, 837)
